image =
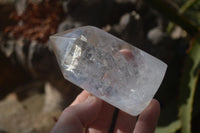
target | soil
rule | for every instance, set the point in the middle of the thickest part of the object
(26, 116)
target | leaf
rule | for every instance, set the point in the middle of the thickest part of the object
(182, 9)
(168, 10)
(188, 86)
(171, 128)
(187, 5)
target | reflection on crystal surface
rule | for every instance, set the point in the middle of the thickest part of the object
(108, 67)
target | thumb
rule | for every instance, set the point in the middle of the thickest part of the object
(76, 117)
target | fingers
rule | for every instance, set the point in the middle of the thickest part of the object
(104, 120)
(76, 117)
(81, 97)
(125, 123)
(147, 120)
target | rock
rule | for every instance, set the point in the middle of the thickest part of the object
(20, 6)
(68, 24)
(108, 67)
(178, 32)
(155, 35)
(53, 98)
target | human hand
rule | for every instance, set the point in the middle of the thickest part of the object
(92, 115)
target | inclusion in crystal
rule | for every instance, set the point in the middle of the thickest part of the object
(108, 67)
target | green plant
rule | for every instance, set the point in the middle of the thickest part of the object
(187, 16)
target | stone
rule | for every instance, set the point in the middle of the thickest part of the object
(108, 67)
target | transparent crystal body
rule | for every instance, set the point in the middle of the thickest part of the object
(108, 67)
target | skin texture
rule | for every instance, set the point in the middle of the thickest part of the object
(91, 115)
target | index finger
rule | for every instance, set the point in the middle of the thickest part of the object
(81, 97)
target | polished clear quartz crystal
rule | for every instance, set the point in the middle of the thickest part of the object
(108, 67)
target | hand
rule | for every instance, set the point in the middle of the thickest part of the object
(92, 115)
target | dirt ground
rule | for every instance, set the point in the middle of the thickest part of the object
(26, 116)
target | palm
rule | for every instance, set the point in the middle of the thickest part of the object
(100, 122)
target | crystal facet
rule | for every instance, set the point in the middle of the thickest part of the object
(108, 67)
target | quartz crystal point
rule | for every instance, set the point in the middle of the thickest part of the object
(108, 67)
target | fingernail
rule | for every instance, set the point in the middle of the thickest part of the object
(90, 99)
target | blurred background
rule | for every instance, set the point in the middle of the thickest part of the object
(32, 90)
